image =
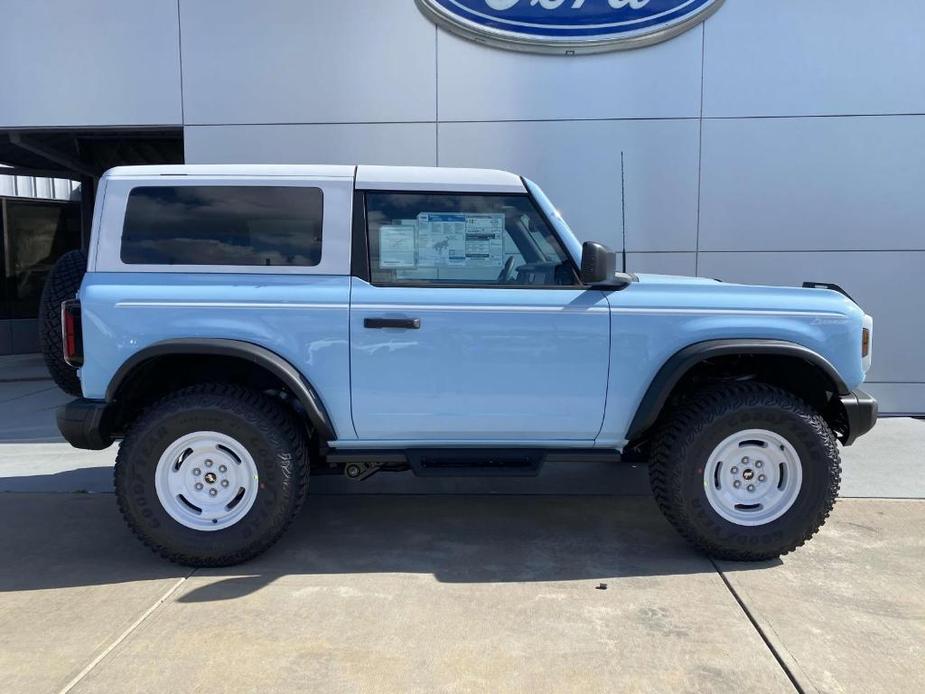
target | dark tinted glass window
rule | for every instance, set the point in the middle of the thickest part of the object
(223, 225)
(462, 239)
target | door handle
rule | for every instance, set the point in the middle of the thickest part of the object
(407, 323)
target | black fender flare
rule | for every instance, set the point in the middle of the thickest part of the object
(261, 356)
(682, 361)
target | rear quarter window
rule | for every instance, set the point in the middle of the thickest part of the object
(223, 225)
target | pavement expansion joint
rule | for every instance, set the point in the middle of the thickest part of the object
(125, 634)
(768, 642)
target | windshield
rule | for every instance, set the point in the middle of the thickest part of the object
(572, 244)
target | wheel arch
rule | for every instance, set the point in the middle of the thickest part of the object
(254, 355)
(683, 362)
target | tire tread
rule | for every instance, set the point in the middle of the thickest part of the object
(685, 423)
(247, 402)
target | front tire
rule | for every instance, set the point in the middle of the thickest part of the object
(212, 475)
(746, 471)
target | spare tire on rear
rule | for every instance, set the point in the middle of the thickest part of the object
(62, 284)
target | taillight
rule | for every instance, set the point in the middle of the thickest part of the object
(72, 333)
(865, 342)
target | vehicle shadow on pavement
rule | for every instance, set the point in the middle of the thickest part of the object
(80, 480)
(471, 539)
(65, 540)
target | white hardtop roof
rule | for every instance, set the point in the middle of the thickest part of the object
(435, 178)
(233, 170)
(430, 178)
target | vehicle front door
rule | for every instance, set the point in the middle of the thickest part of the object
(471, 325)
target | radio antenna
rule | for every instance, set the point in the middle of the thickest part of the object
(623, 207)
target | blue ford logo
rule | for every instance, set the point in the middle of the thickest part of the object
(568, 26)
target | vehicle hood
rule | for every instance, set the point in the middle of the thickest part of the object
(705, 293)
(647, 278)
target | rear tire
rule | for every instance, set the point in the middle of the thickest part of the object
(62, 284)
(704, 476)
(212, 475)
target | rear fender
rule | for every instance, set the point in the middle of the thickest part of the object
(261, 356)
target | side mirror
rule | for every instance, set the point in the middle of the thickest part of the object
(599, 267)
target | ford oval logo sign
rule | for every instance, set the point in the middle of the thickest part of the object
(568, 26)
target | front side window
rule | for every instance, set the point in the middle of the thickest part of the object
(450, 239)
(223, 225)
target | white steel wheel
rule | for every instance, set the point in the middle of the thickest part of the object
(206, 480)
(753, 477)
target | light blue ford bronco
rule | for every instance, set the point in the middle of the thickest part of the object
(240, 328)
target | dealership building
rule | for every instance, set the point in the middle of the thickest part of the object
(765, 142)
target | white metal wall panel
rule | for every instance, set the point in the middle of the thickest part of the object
(813, 184)
(44, 188)
(412, 144)
(25, 186)
(65, 189)
(29, 187)
(292, 61)
(898, 398)
(795, 57)
(662, 263)
(578, 164)
(479, 83)
(95, 62)
(660, 180)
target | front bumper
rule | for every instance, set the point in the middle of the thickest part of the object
(861, 413)
(86, 423)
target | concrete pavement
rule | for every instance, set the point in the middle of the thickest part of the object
(460, 593)
(396, 584)
(847, 611)
(22, 367)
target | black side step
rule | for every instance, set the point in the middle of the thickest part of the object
(463, 462)
(470, 462)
